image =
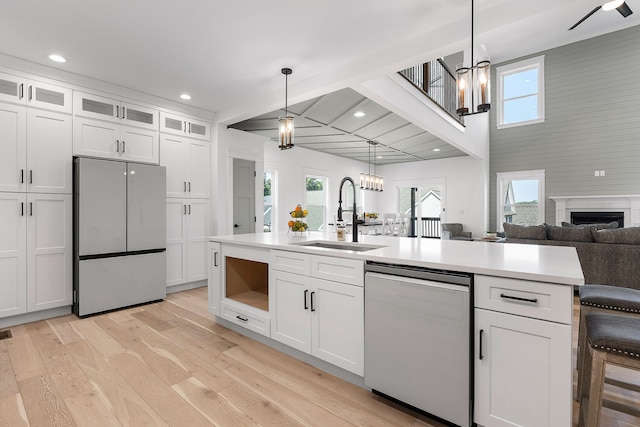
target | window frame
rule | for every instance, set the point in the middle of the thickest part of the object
(274, 192)
(502, 177)
(536, 63)
(325, 180)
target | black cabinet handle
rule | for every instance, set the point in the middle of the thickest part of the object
(123, 146)
(312, 306)
(244, 319)
(185, 127)
(185, 186)
(30, 176)
(21, 176)
(21, 95)
(21, 208)
(30, 92)
(531, 300)
(235, 226)
(117, 111)
(480, 342)
(306, 292)
(30, 209)
(215, 259)
(189, 127)
(189, 186)
(189, 209)
(117, 146)
(184, 209)
(124, 112)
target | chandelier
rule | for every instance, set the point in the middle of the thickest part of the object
(286, 122)
(473, 84)
(369, 181)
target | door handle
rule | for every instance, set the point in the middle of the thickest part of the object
(312, 306)
(480, 344)
(235, 226)
(306, 292)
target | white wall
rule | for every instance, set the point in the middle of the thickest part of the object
(465, 188)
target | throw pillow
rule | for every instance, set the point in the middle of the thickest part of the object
(627, 236)
(569, 234)
(535, 232)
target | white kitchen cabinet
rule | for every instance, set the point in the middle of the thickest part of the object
(35, 154)
(35, 252)
(184, 126)
(320, 317)
(523, 372)
(113, 129)
(49, 251)
(13, 254)
(214, 259)
(34, 93)
(187, 231)
(187, 163)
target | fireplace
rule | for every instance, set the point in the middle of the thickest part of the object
(628, 206)
(597, 218)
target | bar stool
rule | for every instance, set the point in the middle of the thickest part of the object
(611, 338)
(603, 299)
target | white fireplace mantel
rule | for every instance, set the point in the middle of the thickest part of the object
(629, 205)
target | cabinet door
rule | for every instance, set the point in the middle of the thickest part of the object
(13, 254)
(51, 97)
(176, 242)
(338, 324)
(173, 124)
(49, 251)
(198, 169)
(12, 88)
(96, 107)
(173, 155)
(138, 116)
(139, 145)
(215, 277)
(522, 371)
(96, 138)
(49, 152)
(13, 151)
(290, 299)
(198, 218)
(198, 129)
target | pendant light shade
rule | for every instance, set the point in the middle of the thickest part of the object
(286, 127)
(473, 84)
(369, 181)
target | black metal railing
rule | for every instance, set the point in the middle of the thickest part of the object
(436, 81)
(430, 227)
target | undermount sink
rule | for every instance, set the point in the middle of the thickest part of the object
(345, 246)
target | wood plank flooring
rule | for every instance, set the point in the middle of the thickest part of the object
(170, 364)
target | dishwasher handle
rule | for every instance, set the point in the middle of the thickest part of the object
(420, 282)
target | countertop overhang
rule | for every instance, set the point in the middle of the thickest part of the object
(554, 264)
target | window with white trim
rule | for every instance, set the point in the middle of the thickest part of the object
(521, 93)
(520, 197)
(316, 202)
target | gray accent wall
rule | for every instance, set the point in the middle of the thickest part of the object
(592, 91)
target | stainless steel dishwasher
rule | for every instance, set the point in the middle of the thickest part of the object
(418, 340)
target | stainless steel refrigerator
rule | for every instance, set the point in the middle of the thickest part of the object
(119, 234)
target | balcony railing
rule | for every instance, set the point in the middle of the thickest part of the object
(431, 227)
(436, 81)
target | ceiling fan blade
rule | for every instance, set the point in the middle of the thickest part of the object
(624, 10)
(588, 15)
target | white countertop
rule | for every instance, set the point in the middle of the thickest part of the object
(554, 264)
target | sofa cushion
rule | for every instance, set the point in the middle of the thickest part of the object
(535, 232)
(627, 236)
(572, 234)
(597, 226)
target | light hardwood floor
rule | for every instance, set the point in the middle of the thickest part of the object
(170, 364)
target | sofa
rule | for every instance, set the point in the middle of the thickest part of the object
(608, 255)
(454, 231)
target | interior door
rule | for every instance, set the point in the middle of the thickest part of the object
(244, 206)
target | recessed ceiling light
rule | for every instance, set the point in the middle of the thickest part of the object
(185, 96)
(359, 114)
(610, 5)
(379, 157)
(57, 58)
(436, 149)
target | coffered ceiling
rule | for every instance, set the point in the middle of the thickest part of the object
(327, 123)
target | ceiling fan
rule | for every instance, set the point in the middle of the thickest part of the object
(619, 5)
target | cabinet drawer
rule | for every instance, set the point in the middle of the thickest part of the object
(524, 298)
(291, 262)
(338, 269)
(253, 320)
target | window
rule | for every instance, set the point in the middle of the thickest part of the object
(316, 202)
(268, 200)
(520, 197)
(428, 198)
(521, 93)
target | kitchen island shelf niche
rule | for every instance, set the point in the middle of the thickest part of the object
(247, 282)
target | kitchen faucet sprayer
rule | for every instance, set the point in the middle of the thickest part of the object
(354, 221)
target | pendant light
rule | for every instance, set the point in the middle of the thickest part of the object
(369, 181)
(286, 122)
(473, 84)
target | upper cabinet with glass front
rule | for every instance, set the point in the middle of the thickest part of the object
(34, 93)
(184, 126)
(101, 108)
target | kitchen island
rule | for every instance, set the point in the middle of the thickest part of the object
(277, 287)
